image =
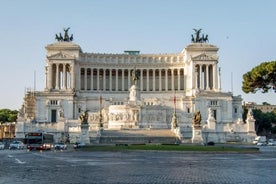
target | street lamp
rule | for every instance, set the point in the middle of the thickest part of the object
(100, 125)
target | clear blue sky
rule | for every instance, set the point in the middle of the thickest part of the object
(244, 31)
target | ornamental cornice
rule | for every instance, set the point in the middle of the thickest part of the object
(132, 65)
(63, 46)
(61, 56)
(127, 55)
(204, 57)
(201, 46)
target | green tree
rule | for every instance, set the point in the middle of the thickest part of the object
(7, 115)
(263, 124)
(261, 77)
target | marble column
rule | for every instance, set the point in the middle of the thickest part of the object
(116, 80)
(153, 78)
(160, 79)
(85, 79)
(64, 76)
(166, 80)
(207, 77)
(104, 79)
(57, 76)
(147, 80)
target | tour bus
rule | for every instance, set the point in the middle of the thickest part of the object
(39, 141)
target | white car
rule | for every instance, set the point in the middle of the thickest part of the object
(16, 145)
(261, 144)
(2, 146)
(60, 146)
(271, 144)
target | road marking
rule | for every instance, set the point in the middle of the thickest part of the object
(19, 161)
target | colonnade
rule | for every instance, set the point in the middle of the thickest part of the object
(59, 77)
(206, 76)
(95, 79)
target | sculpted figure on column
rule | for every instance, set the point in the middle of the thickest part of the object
(197, 120)
(135, 75)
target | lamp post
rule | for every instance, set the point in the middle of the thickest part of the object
(174, 117)
(100, 124)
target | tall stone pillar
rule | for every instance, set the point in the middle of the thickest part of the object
(166, 80)
(85, 79)
(104, 80)
(147, 80)
(50, 77)
(207, 77)
(64, 76)
(128, 79)
(72, 78)
(153, 78)
(141, 79)
(57, 76)
(123, 80)
(160, 79)
(98, 79)
(110, 80)
(200, 77)
(178, 79)
(92, 80)
(117, 84)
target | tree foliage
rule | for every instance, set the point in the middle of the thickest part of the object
(7, 115)
(263, 124)
(261, 77)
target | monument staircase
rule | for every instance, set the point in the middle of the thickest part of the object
(138, 136)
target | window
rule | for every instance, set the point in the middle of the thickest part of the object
(53, 102)
(214, 103)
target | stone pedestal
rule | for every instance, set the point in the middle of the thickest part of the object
(211, 122)
(134, 93)
(197, 135)
(174, 124)
(85, 133)
(250, 125)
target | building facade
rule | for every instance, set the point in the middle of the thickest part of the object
(264, 107)
(102, 85)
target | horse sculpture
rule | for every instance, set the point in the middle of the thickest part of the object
(64, 38)
(198, 38)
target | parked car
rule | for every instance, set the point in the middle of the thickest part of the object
(2, 146)
(16, 145)
(60, 146)
(261, 144)
(79, 145)
(211, 143)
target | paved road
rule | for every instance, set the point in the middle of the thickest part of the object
(136, 167)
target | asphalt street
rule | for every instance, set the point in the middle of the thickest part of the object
(70, 166)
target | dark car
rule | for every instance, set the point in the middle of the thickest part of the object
(79, 145)
(211, 143)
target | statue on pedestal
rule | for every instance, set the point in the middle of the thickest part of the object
(134, 90)
(197, 120)
(174, 121)
(84, 117)
(250, 114)
(135, 75)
